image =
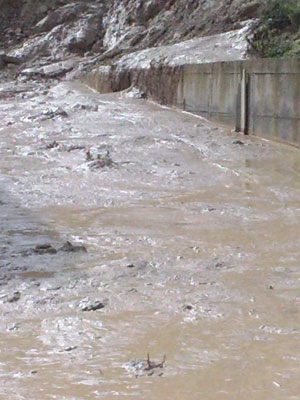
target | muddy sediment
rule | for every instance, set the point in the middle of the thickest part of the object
(192, 239)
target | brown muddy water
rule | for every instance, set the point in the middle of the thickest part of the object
(193, 243)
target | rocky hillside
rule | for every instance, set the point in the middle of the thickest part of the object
(98, 26)
(277, 34)
(42, 32)
(156, 22)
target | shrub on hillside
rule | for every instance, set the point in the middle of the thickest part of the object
(281, 14)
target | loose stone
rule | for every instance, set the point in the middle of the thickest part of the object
(94, 306)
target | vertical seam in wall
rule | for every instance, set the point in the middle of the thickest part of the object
(183, 86)
(211, 89)
(251, 94)
(296, 108)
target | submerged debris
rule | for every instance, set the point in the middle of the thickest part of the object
(94, 305)
(64, 147)
(14, 298)
(68, 349)
(34, 372)
(47, 248)
(86, 107)
(146, 367)
(44, 249)
(239, 142)
(74, 147)
(52, 145)
(89, 156)
(40, 249)
(70, 248)
(101, 160)
(50, 114)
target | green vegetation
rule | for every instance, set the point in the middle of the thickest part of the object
(281, 14)
(278, 34)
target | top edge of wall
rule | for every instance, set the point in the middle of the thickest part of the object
(255, 65)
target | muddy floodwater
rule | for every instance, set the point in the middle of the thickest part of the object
(192, 237)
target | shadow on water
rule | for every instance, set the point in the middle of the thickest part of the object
(20, 232)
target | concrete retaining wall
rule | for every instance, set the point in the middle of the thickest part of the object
(274, 99)
(210, 90)
(258, 97)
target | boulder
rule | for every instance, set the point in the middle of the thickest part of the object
(76, 36)
(84, 34)
(98, 47)
(8, 59)
(60, 16)
(54, 70)
(148, 10)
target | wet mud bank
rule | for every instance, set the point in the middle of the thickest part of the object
(192, 239)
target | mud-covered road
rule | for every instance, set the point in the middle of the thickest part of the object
(192, 238)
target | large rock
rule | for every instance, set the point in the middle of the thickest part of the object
(147, 10)
(64, 38)
(7, 59)
(54, 70)
(62, 15)
(84, 33)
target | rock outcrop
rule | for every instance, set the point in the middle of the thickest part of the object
(59, 27)
(170, 21)
(74, 28)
